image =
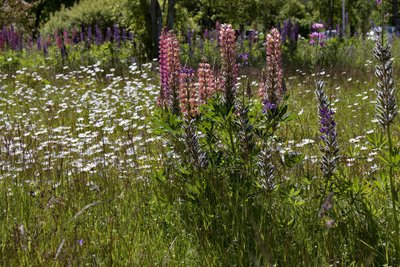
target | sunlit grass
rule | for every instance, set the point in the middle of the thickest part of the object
(79, 153)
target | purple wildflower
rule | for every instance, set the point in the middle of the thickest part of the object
(117, 35)
(268, 106)
(39, 43)
(89, 35)
(124, 35)
(326, 206)
(82, 35)
(330, 147)
(286, 30)
(295, 33)
(317, 26)
(75, 38)
(99, 35)
(1, 41)
(244, 59)
(317, 38)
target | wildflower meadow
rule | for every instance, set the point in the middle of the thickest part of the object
(231, 147)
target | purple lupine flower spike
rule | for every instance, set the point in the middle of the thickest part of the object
(89, 35)
(39, 43)
(99, 35)
(117, 35)
(82, 35)
(329, 147)
(124, 35)
(75, 38)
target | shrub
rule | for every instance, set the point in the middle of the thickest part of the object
(85, 13)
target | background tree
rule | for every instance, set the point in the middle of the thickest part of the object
(29, 15)
(16, 13)
(42, 9)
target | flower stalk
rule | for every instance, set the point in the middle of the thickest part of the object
(271, 87)
(227, 41)
(386, 111)
(169, 72)
(330, 148)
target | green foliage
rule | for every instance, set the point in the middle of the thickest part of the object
(153, 205)
(165, 190)
(85, 13)
(17, 13)
(10, 61)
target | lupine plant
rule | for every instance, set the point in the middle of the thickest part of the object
(328, 132)
(227, 41)
(170, 68)
(219, 146)
(386, 112)
(290, 33)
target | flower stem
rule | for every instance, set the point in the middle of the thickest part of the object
(394, 196)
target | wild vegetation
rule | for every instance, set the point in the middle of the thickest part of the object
(235, 147)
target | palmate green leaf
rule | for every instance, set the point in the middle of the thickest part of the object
(396, 157)
(377, 140)
(391, 158)
(384, 160)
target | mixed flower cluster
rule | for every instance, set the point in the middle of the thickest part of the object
(290, 31)
(14, 40)
(183, 90)
(318, 37)
(9, 38)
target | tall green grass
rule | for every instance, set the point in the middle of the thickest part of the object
(93, 174)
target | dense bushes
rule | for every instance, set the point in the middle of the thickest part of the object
(85, 13)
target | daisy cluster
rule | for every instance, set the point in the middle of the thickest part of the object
(76, 124)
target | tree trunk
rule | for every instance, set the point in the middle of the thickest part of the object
(38, 12)
(171, 14)
(396, 15)
(156, 25)
(153, 24)
(330, 15)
